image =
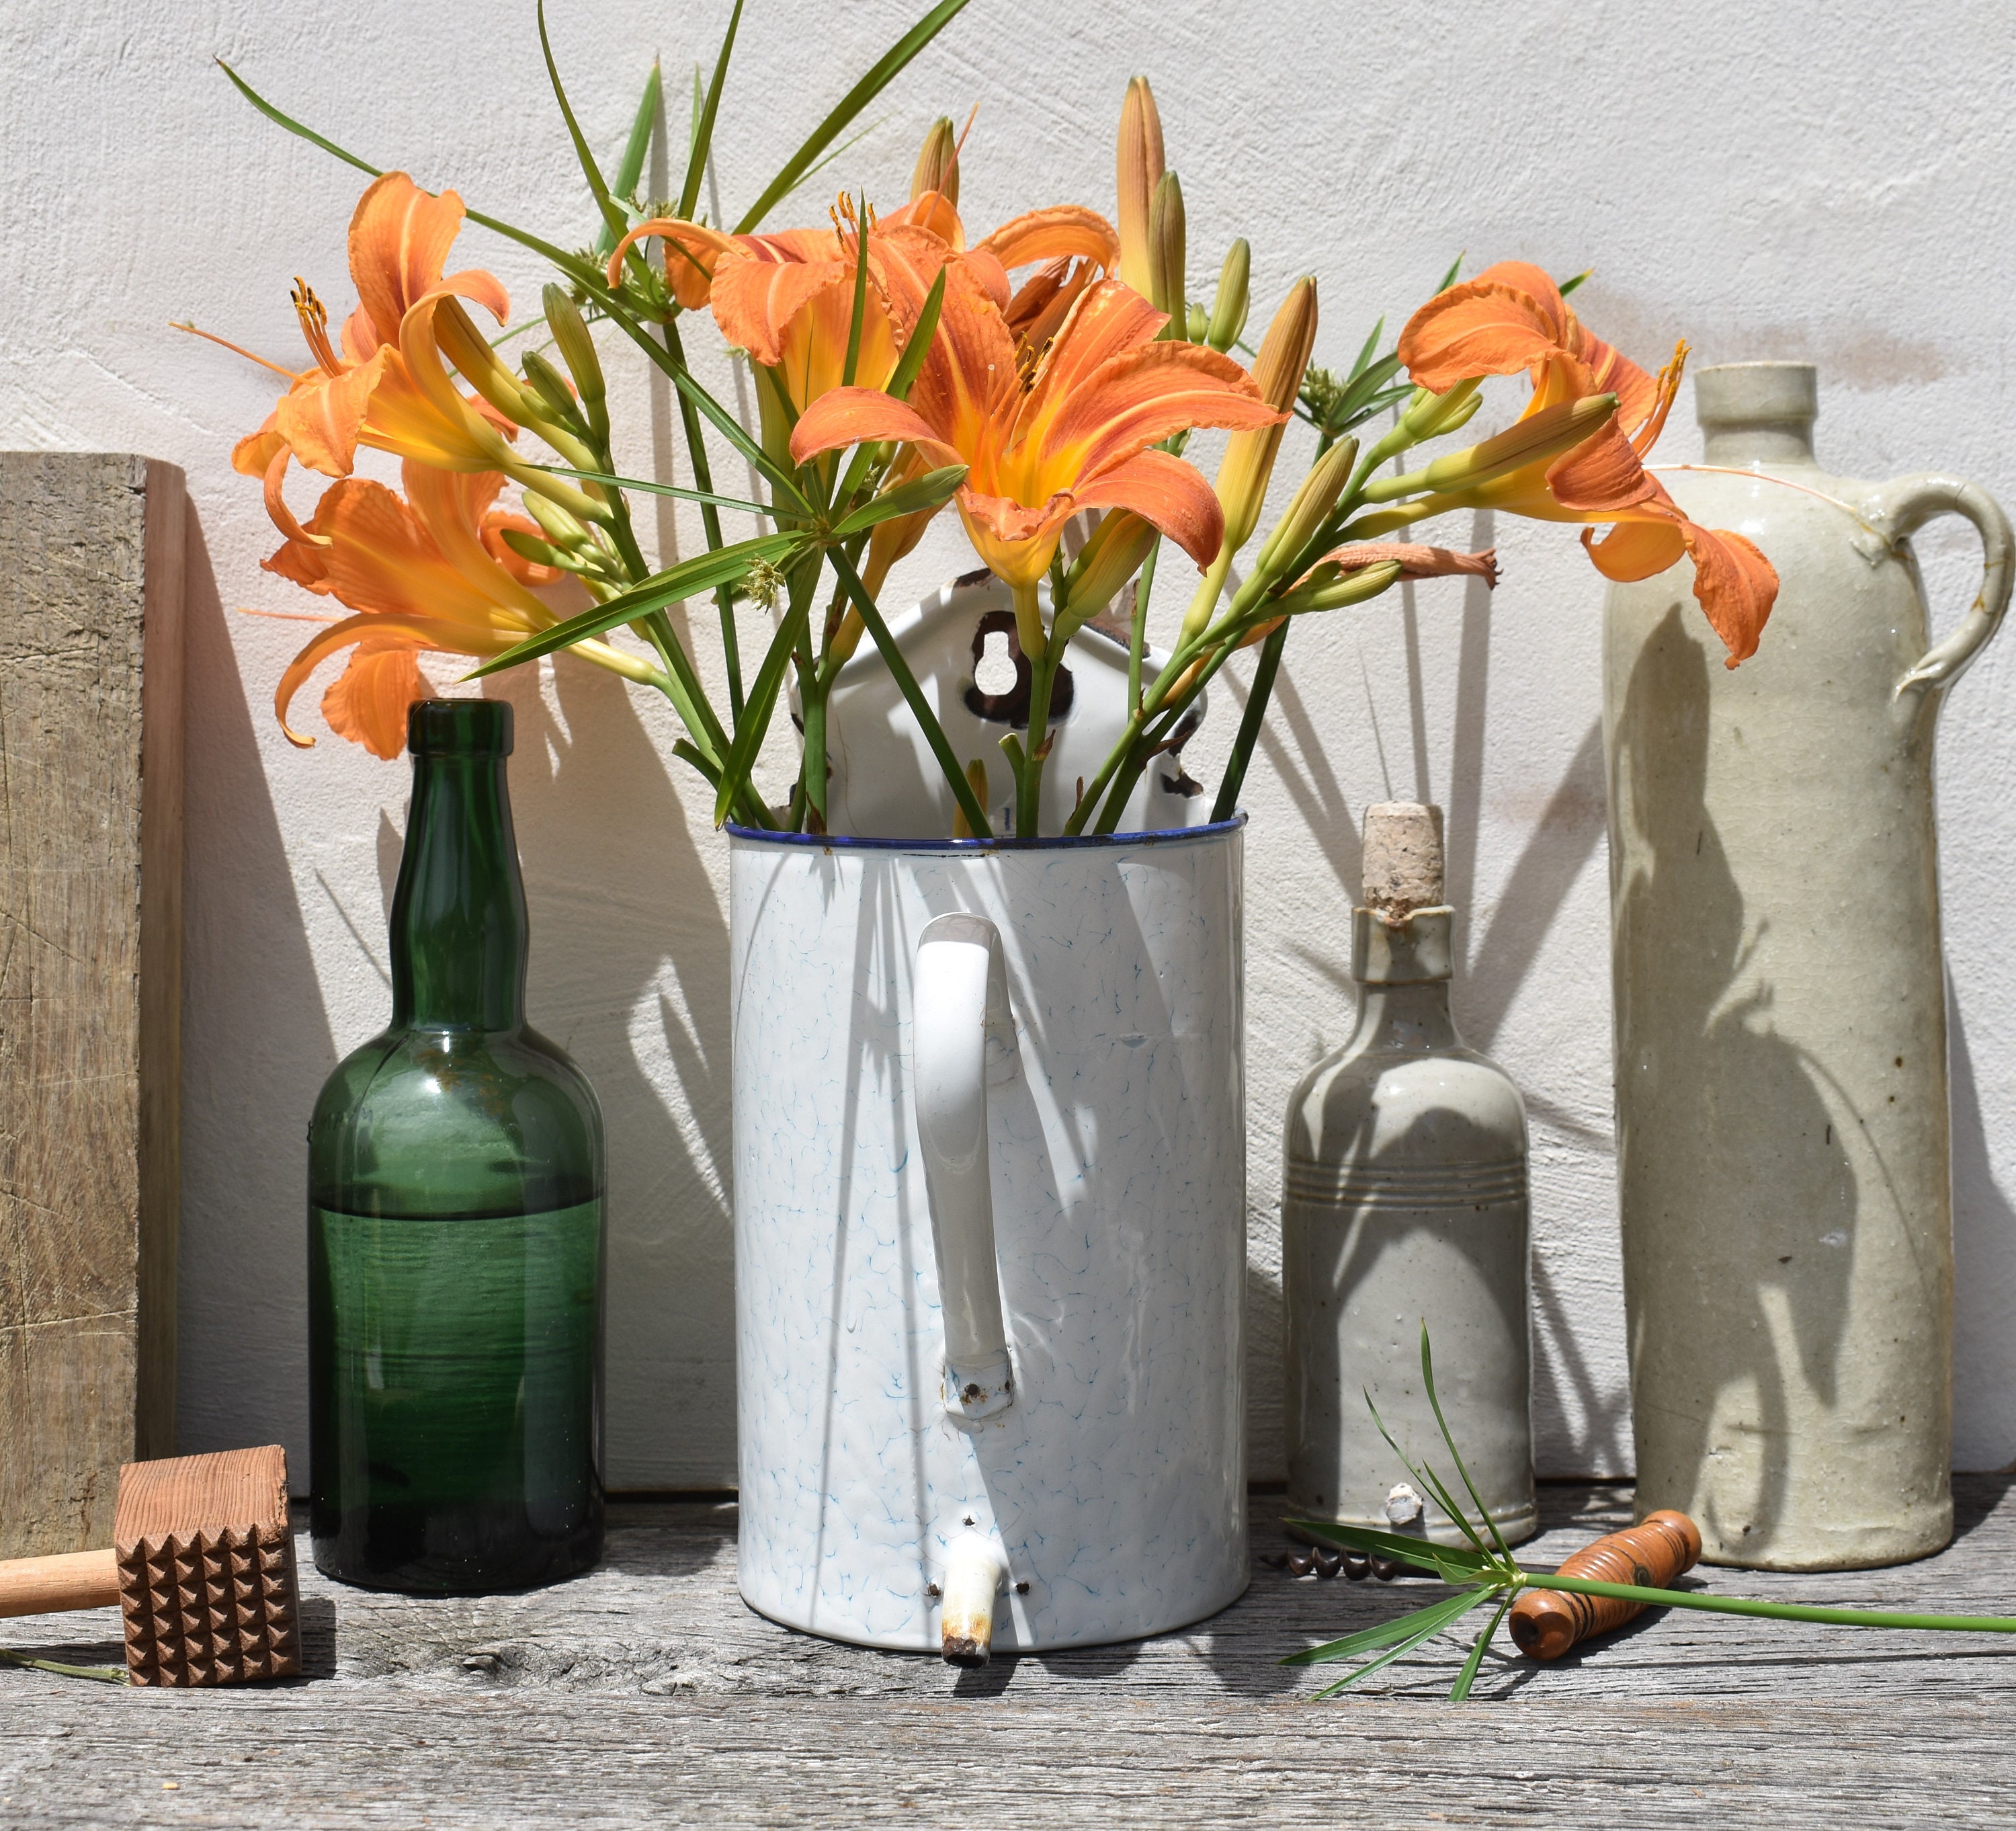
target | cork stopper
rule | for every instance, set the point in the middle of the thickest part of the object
(1403, 859)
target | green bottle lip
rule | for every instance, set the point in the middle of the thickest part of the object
(458, 728)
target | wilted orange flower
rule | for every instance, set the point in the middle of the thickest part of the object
(1513, 317)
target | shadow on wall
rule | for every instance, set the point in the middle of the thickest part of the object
(255, 1049)
(1984, 1271)
(629, 975)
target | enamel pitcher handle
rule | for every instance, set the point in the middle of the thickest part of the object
(1901, 508)
(959, 996)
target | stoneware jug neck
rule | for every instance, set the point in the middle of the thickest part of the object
(1757, 413)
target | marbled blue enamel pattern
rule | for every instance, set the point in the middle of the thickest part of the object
(1114, 1484)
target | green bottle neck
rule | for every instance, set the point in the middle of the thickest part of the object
(459, 930)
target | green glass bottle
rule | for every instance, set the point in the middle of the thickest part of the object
(454, 1228)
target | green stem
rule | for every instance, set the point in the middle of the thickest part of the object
(913, 695)
(1043, 659)
(1137, 636)
(710, 518)
(1234, 778)
(1679, 1598)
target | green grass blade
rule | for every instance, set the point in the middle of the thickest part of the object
(726, 424)
(1455, 1455)
(1426, 1478)
(1713, 1605)
(1401, 1627)
(670, 489)
(1466, 1603)
(755, 723)
(926, 491)
(885, 71)
(726, 565)
(1371, 408)
(701, 142)
(906, 682)
(1369, 381)
(1574, 280)
(1365, 354)
(631, 168)
(1257, 701)
(901, 378)
(852, 363)
(294, 126)
(107, 1674)
(1460, 1691)
(1455, 268)
(571, 265)
(612, 214)
(1453, 1563)
(904, 373)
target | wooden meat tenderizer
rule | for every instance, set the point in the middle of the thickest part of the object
(203, 1570)
(1546, 1622)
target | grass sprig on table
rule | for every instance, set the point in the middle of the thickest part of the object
(1487, 1573)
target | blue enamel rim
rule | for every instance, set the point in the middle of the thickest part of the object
(1082, 842)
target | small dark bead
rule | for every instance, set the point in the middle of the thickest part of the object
(1300, 1564)
(1385, 1569)
(1328, 1563)
(1355, 1566)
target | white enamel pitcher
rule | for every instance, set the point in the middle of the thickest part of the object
(989, 1148)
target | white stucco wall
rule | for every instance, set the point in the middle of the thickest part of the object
(1833, 184)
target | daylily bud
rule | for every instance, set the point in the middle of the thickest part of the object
(1117, 550)
(1167, 253)
(1310, 509)
(1429, 415)
(1139, 170)
(1197, 321)
(1539, 438)
(938, 164)
(1277, 372)
(1228, 307)
(550, 386)
(577, 349)
(558, 526)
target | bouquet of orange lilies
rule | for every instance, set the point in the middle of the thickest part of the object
(1041, 378)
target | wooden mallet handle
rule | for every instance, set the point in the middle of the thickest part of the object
(1546, 1622)
(47, 1586)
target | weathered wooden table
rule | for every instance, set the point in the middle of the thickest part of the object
(647, 1694)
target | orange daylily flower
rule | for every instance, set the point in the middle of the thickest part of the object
(1512, 317)
(429, 572)
(386, 386)
(1072, 433)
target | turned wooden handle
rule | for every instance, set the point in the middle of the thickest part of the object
(48, 1586)
(1546, 1622)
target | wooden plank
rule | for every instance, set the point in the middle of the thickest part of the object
(91, 761)
(646, 1694)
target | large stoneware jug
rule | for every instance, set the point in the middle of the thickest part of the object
(989, 1147)
(1780, 1006)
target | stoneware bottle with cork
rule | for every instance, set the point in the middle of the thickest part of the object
(1404, 1201)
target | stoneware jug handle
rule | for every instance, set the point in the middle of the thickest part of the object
(960, 994)
(1901, 508)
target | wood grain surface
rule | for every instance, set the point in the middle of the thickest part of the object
(646, 1693)
(91, 702)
